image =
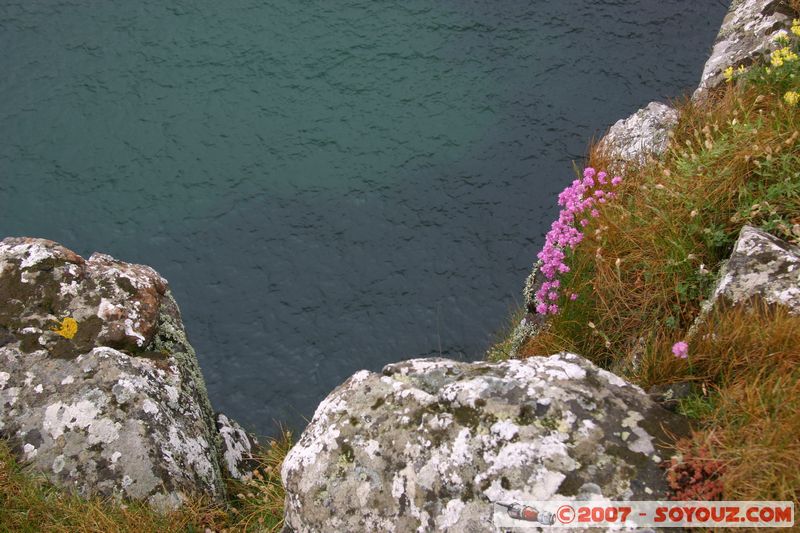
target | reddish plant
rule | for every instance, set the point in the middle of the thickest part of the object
(695, 475)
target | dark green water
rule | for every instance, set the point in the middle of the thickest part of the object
(328, 186)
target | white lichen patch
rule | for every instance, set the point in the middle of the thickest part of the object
(4, 377)
(69, 289)
(172, 395)
(149, 406)
(452, 513)
(32, 254)
(107, 310)
(58, 464)
(372, 447)
(30, 451)
(461, 447)
(644, 442)
(505, 429)
(60, 417)
(194, 451)
(103, 431)
(10, 396)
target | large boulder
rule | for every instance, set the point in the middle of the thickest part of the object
(642, 135)
(745, 37)
(761, 265)
(429, 444)
(99, 388)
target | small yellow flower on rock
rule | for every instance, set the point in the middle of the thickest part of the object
(67, 328)
(796, 27)
(728, 73)
(791, 98)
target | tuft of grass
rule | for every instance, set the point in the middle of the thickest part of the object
(748, 358)
(28, 503)
(502, 344)
(259, 501)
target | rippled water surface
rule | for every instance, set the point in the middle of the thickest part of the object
(328, 186)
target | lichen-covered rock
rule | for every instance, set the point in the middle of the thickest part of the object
(744, 38)
(238, 447)
(761, 265)
(99, 388)
(430, 443)
(643, 134)
(531, 323)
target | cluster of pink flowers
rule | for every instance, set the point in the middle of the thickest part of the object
(576, 200)
(680, 350)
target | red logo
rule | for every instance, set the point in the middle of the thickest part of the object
(565, 514)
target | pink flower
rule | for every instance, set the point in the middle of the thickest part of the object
(566, 233)
(573, 296)
(681, 350)
(616, 180)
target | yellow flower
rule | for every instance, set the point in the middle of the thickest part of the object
(792, 98)
(782, 55)
(728, 73)
(796, 27)
(741, 69)
(67, 328)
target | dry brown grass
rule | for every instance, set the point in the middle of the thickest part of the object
(748, 357)
(259, 501)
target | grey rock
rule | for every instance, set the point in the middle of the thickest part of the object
(761, 265)
(532, 323)
(669, 396)
(120, 407)
(643, 134)
(744, 38)
(428, 444)
(238, 447)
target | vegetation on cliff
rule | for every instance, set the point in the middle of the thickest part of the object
(650, 259)
(29, 504)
